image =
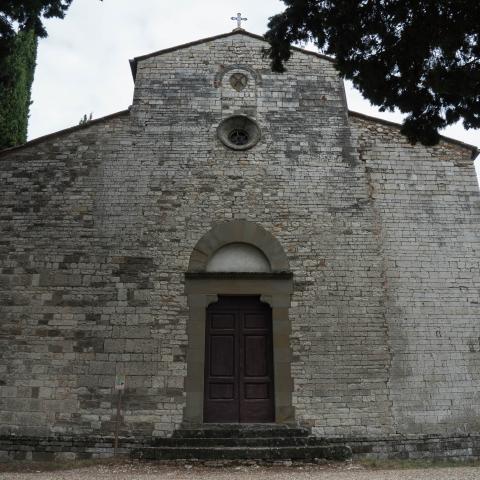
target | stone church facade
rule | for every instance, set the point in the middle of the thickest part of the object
(133, 246)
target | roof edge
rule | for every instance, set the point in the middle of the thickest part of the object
(64, 131)
(475, 150)
(238, 31)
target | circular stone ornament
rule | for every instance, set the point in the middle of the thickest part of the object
(239, 132)
(238, 81)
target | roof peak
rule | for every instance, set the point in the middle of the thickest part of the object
(235, 31)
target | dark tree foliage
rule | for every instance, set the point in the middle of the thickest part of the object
(22, 15)
(21, 23)
(420, 56)
(28, 14)
(16, 77)
(85, 119)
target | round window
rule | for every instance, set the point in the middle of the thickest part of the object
(238, 137)
(239, 132)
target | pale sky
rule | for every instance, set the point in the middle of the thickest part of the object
(83, 67)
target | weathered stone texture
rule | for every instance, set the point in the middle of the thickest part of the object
(98, 225)
(427, 218)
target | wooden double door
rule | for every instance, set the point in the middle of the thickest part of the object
(239, 362)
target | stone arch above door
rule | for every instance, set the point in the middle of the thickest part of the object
(238, 257)
(238, 231)
(203, 287)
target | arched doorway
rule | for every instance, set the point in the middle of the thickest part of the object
(239, 262)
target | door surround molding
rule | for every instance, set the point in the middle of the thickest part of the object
(238, 231)
(204, 289)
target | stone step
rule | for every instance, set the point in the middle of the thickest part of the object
(242, 431)
(235, 442)
(327, 452)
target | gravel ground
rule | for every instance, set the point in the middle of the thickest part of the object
(158, 472)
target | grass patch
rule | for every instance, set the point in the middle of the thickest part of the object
(375, 464)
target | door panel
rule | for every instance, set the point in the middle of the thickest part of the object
(221, 366)
(221, 391)
(222, 356)
(256, 391)
(256, 381)
(255, 352)
(254, 321)
(226, 322)
(239, 361)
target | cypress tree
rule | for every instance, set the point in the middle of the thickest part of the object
(16, 78)
(420, 56)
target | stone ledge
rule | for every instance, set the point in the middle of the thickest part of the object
(434, 446)
(238, 275)
(458, 447)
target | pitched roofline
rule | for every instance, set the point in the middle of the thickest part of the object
(475, 150)
(237, 31)
(63, 132)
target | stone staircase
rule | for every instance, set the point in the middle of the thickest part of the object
(242, 442)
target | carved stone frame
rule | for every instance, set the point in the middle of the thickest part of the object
(203, 288)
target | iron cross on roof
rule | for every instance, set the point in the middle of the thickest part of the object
(239, 20)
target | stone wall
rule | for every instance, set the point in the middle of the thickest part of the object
(304, 184)
(98, 225)
(427, 217)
